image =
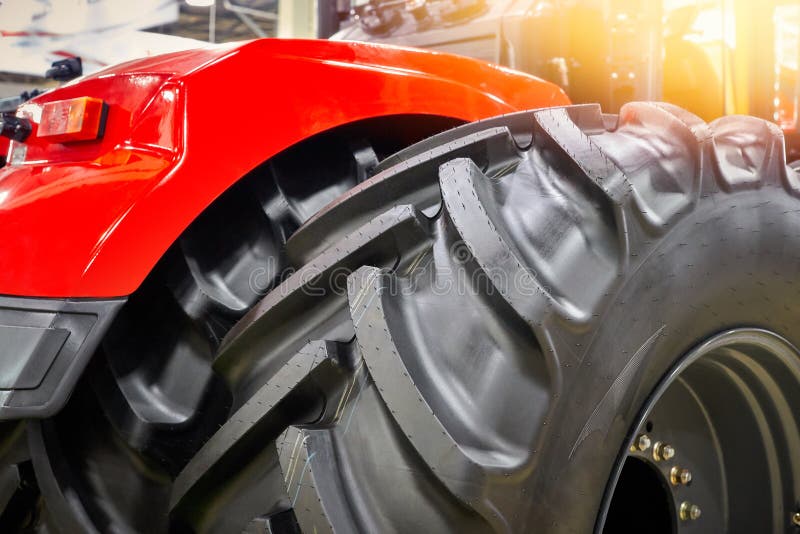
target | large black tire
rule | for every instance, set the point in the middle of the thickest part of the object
(473, 333)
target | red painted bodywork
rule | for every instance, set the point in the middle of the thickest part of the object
(91, 219)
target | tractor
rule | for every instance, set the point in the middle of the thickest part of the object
(333, 286)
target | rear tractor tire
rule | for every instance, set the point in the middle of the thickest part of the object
(555, 321)
(551, 321)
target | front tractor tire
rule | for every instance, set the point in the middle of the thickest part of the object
(551, 321)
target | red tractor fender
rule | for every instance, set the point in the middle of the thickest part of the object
(91, 219)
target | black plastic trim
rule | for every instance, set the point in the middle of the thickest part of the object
(45, 344)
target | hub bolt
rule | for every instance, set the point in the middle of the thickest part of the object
(690, 511)
(796, 519)
(679, 475)
(663, 451)
(641, 443)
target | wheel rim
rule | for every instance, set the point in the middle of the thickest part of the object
(720, 438)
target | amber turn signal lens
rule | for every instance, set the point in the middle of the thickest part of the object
(77, 119)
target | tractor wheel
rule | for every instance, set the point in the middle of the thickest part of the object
(553, 321)
(556, 321)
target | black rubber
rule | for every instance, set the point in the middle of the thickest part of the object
(472, 332)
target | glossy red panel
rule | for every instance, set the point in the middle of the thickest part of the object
(91, 219)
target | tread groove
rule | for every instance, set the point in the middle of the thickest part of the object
(311, 303)
(250, 416)
(411, 181)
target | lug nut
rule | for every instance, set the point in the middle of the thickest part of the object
(663, 451)
(679, 475)
(690, 511)
(641, 443)
(796, 519)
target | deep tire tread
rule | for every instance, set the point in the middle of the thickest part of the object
(614, 186)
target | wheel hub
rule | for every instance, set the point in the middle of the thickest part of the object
(721, 433)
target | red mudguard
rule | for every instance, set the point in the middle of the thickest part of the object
(91, 219)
